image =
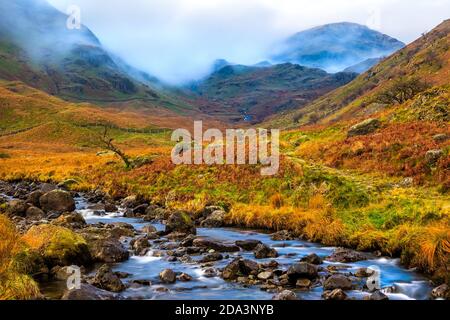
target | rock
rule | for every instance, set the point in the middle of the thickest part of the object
(346, 255)
(58, 246)
(362, 273)
(214, 220)
(57, 201)
(312, 259)
(216, 246)
(140, 246)
(108, 251)
(184, 277)
(72, 220)
(286, 295)
(441, 137)
(337, 281)
(180, 222)
(130, 202)
(303, 283)
(188, 241)
(283, 235)
(248, 245)
(433, 156)
(140, 210)
(266, 275)
(146, 283)
(105, 279)
(168, 276)
(239, 267)
(47, 187)
(263, 251)
(302, 270)
(17, 208)
(34, 213)
(210, 273)
(337, 295)
(155, 213)
(212, 257)
(149, 229)
(33, 198)
(109, 207)
(378, 296)
(88, 293)
(62, 274)
(441, 292)
(366, 127)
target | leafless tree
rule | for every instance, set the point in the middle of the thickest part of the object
(107, 142)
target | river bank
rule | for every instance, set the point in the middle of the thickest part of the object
(133, 255)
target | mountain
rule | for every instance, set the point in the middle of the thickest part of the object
(37, 48)
(335, 47)
(416, 76)
(252, 93)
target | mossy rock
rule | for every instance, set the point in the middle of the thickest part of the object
(58, 246)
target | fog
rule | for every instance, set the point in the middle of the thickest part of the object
(177, 40)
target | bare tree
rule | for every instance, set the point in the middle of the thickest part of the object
(107, 142)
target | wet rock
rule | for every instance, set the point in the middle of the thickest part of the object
(122, 275)
(35, 214)
(433, 156)
(240, 267)
(47, 187)
(215, 220)
(263, 251)
(140, 246)
(110, 207)
(210, 273)
(187, 259)
(248, 245)
(72, 220)
(337, 281)
(33, 198)
(184, 277)
(212, 257)
(364, 128)
(216, 246)
(108, 251)
(146, 283)
(88, 293)
(57, 201)
(168, 276)
(105, 279)
(378, 296)
(266, 275)
(130, 202)
(153, 213)
(17, 208)
(337, 295)
(441, 292)
(312, 259)
(270, 265)
(303, 283)
(180, 222)
(286, 295)
(140, 210)
(149, 229)
(346, 255)
(302, 270)
(362, 273)
(283, 235)
(188, 241)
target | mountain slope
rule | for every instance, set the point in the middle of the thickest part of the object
(337, 46)
(37, 48)
(396, 80)
(253, 93)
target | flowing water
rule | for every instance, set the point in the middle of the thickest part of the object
(396, 281)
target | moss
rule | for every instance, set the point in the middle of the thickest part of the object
(58, 245)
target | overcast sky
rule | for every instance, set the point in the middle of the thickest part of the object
(176, 40)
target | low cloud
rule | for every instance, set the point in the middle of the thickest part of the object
(177, 40)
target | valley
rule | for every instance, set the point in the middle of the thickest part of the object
(364, 168)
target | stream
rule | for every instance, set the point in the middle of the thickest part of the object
(397, 282)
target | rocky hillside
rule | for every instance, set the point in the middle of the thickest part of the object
(335, 47)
